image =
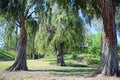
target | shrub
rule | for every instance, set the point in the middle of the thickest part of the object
(91, 60)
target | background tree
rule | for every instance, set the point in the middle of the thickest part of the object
(57, 34)
(31, 27)
(10, 36)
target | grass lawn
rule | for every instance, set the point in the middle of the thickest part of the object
(45, 69)
(73, 67)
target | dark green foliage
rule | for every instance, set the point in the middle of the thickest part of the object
(74, 56)
(4, 5)
(31, 27)
(5, 56)
(87, 6)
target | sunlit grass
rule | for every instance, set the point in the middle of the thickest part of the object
(38, 64)
(32, 64)
(5, 64)
(43, 64)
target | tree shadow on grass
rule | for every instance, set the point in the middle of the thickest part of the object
(70, 64)
(73, 70)
(51, 60)
(54, 60)
(69, 72)
(76, 65)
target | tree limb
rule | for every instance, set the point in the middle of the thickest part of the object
(17, 24)
(30, 15)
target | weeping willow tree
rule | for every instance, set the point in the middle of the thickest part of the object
(31, 27)
(59, 32)
(10, 37)
(41, 35)
(10, 33)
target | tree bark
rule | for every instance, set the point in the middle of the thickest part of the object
(33, 49)
(33, 56)
(20, 59)
(109, 57)
(60, 55)
(60, 58)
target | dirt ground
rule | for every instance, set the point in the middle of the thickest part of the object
(45, 75)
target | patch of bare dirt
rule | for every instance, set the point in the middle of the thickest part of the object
(102, 77)
(45, 75)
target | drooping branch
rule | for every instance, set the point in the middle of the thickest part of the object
(30, 15)
(17, 24)
(100, 5)
(26, 12)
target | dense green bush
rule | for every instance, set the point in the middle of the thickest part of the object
(91, 60)
(90, 55)
(94, 49)
(94, 44)
(73, 56)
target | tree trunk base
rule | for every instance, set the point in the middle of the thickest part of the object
(20, 59)
(14, 68)
(109, 58)
(61, 64)
(60, 60)
(117, 74)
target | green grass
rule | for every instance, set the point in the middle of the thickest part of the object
(72, 69)
(43, 64)
(2, 78)
(5, 64)
(49, 64)
(73, 63)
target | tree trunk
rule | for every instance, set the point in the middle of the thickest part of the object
(60, 58)
(33, 50)
(20, 59)
(109, 58)
(33, 56)
(60, 55)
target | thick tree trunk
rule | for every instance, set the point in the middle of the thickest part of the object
(109, 58)
(60, 58)
(60, 55)
(20, 60)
